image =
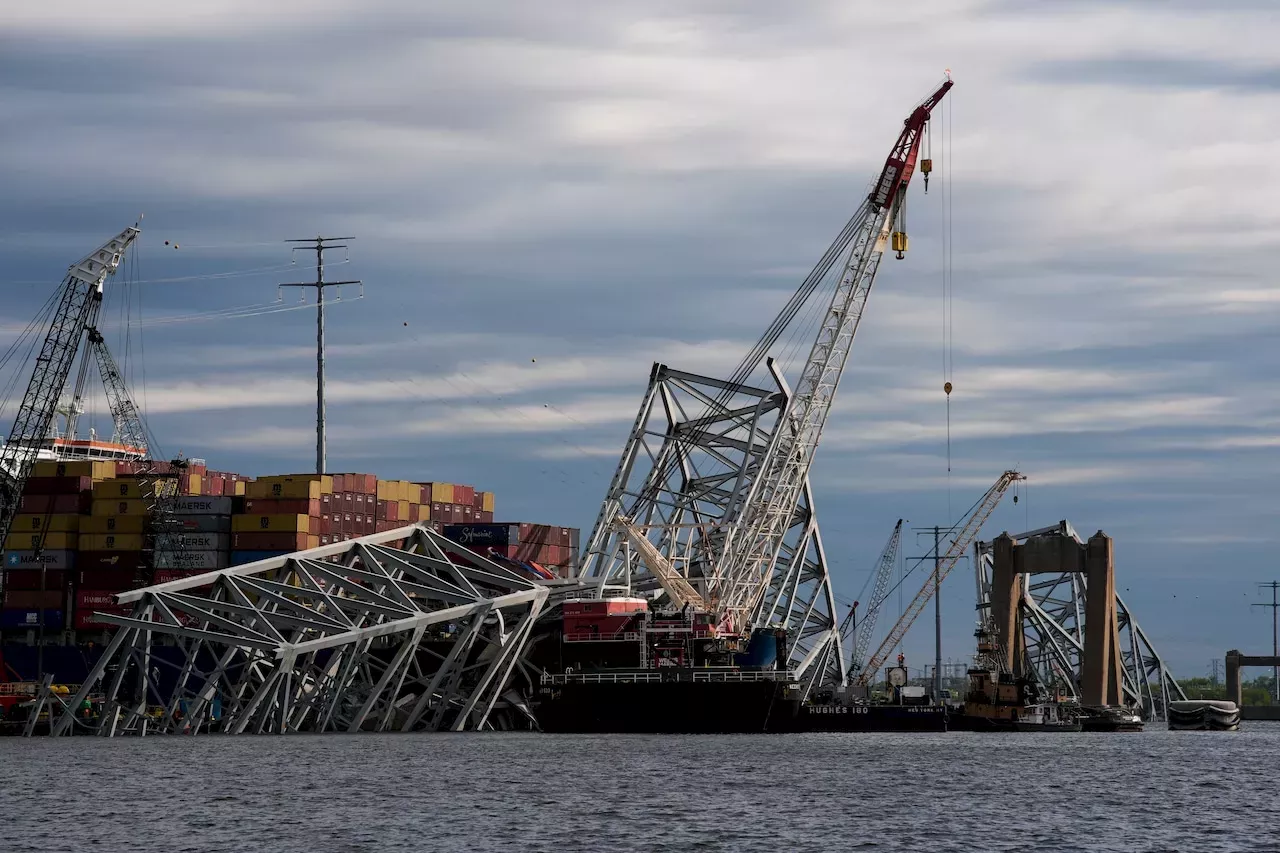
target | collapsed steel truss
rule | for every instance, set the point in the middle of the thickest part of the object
(690, 462)
(1053, 614)
(357, 636)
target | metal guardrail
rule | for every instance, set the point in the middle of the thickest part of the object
(657, 676)
(592, 637)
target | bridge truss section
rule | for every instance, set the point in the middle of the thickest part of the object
(397, 631)
(1053, 618)
(688, 469)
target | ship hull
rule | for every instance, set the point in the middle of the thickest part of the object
(869, 718)
(668, 707)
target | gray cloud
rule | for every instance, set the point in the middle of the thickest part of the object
(1160, 72)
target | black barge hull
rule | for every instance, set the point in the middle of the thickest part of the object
(869, 718)
(669, 707)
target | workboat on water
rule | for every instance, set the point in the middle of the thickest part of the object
(1000, 701)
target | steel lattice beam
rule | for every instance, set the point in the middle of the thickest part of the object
(690, 462)
(358, 636)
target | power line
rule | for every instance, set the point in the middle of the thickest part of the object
(321, 245)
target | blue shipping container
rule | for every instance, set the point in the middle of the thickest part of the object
(496, 535)
(30, 619)
(239, 558)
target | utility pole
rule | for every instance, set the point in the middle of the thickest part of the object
(937, 615)
(936, 532)
(321, 244)
(1275, 645)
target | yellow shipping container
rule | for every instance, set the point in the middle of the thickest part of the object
(292, 488)
(422, 513)
(238, 487)
(114, 524)
(48, 541)
(111, 542)
(442, 493)
(275, 523)
(403, 510)
(125, 506)
(195, 484)
(384, 490)
(96, 470)
(35, 522)
(325, 480)
(487, 505)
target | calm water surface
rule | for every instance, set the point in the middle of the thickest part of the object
(1155, 791)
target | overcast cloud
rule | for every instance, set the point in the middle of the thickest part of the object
(548, 197)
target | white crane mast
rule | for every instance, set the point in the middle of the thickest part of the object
(742, 574)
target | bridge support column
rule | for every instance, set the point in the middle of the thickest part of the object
(1100, 681)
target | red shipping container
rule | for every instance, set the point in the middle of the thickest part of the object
(58, 485)
(86, 620)
(269, 541)
(94, 599)
(483, 517)
(365, 484)
(348, 501)
(91, 560)
(30, 579)
(214, 487)
(108, 578)
(33, 599)
(284, 506)
(166, 575)
(464, 495)
(339, 483)
(56, 504)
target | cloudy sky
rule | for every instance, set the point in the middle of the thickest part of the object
(548, 197)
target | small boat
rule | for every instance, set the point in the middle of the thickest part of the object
(1109, 718)
(1204, 715)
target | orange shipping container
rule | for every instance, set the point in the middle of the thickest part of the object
(47, 541)
(272, 523)
(129, 506)
(111, 542)
(31, 523)
(284, 488)
(114, 524)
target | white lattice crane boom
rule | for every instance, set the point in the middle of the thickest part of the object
(752, 544)
(965, 534)
(884, 572)
(78, 303)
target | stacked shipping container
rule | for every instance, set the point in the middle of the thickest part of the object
(554, 548)
(84, 533)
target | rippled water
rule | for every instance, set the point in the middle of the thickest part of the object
(1155, 791)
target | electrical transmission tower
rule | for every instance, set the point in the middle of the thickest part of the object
(1275, 637)
(321, 244)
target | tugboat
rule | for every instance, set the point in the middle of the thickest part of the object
(1000, 701)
